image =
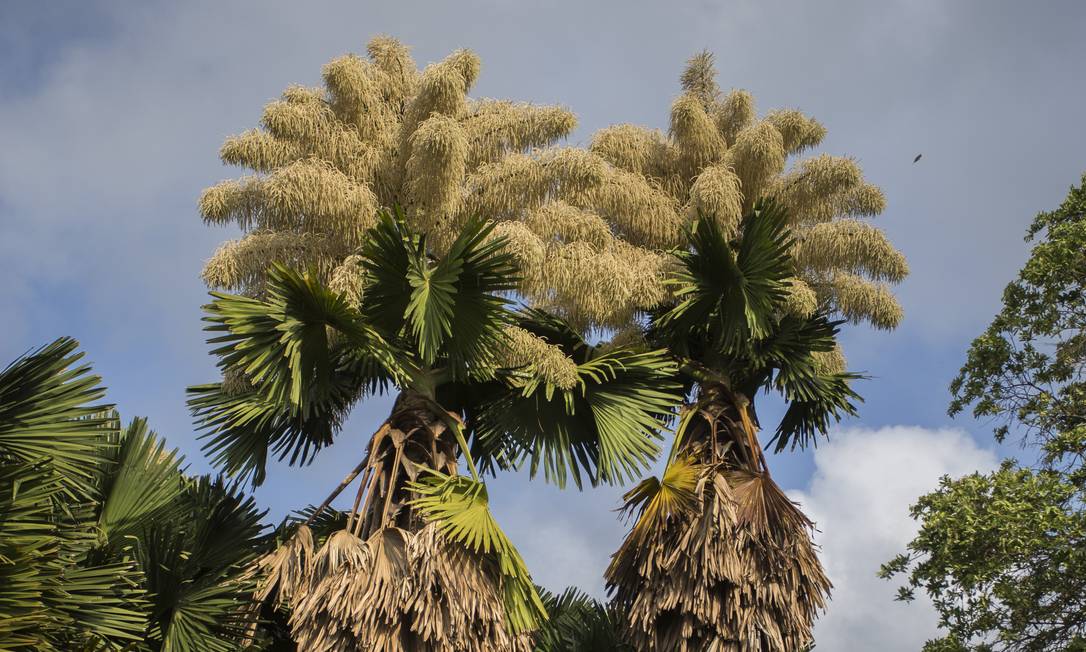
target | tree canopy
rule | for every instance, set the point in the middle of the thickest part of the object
(1003, 555)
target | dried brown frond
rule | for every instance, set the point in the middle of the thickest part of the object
(717, 193)
(738, 574)
(699, 78)
(697, 138)
(734, 569)
(798, 132)
(284, 571)
(497, 127)
(853, 246)
(399, 591)
(757, 157)
(859, 300)
(733, 114)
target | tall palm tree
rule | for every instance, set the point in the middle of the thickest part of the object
(104, 543)
(420, 563)
(719, 558)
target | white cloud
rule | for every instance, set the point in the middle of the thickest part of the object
(860, 493)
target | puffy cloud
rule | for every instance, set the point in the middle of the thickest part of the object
(859, 496)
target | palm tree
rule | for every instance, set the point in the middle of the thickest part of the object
(420, 562)
(104, 543)
(579, 623)
(719, 558)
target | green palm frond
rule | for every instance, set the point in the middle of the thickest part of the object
(578, 623)
(197, 569)
(104, 603)
(451, 306)
(730, 292)
(606, 426)
(242, 430)
(291, 345)
(140, 482)
(459, 507)
(305, 355)
(817, 402)
(28, 548)
(50, 409)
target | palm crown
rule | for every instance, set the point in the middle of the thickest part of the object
(715, 530)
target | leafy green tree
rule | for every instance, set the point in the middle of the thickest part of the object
(420, 562)
(1003, 555)
(104, 543)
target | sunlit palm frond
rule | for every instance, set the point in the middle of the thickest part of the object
(139, 483)
(451, 306)
(654, 500)
(290, 345)
(459, 507)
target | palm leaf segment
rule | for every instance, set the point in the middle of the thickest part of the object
(434, 327)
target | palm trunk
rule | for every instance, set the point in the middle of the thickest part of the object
(389, 582)
(737, 574)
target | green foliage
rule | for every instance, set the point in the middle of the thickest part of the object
(606, 425)
(1027, 368)
(728, 293)
(1003, 555)
(730, 324)
(94, 519)
(578, 623)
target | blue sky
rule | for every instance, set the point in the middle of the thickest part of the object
(111, 115)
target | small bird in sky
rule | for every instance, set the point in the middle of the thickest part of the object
(917, 158)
